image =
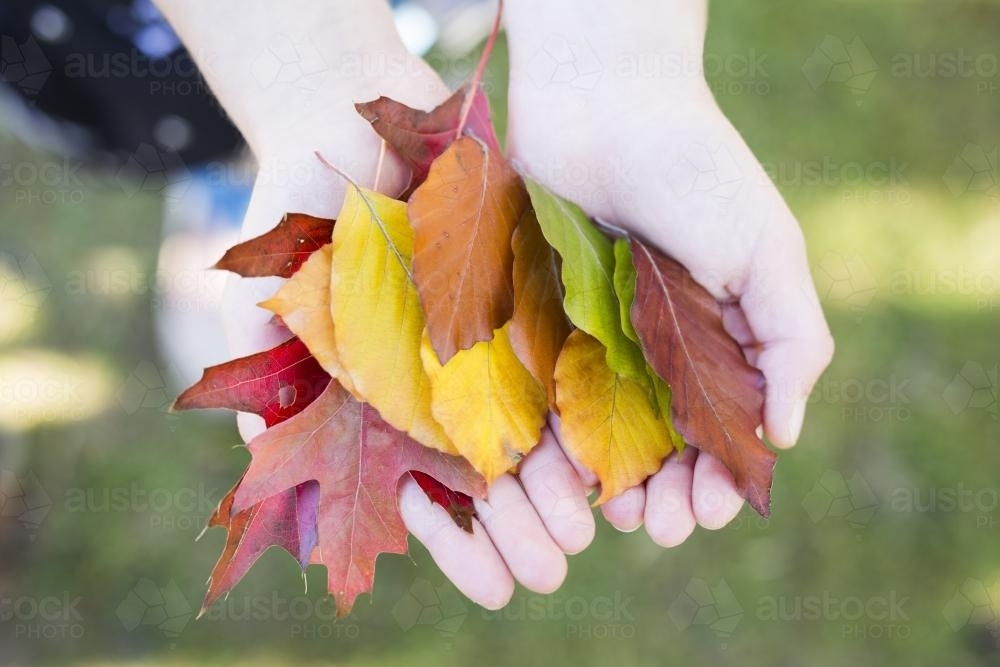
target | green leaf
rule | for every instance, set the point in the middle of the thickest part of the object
(588, 275)
(624, 280)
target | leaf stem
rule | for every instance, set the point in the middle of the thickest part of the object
(477, 77)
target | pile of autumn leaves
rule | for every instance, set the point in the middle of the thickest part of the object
(433, 335)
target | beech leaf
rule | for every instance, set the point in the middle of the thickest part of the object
(358, 460)
(607, 420)
(281, 251)
(539, 326)
(488, 402)
(419, 137)
(716, 395)
(464, 215)
(377, 320)
(588, 275)
(303, 304)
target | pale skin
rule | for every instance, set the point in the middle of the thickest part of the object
(631, 136)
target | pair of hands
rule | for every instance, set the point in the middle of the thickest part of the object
(639, 154)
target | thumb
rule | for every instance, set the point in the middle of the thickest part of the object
(783, 312)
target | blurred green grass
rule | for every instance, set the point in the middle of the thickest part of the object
(913, 441)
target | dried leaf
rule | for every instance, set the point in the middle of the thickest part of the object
(419, 137)
(281, 251)
(539, 326)
(464, 215)
(607, 420)
(274, 384)
(358, 460)
(377, 316)
(717, 396)
(489, 404)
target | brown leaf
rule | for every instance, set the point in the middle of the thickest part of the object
(358, 460)
(419, 137)
(717, 395)
(281, 251)
(539, 326)
(464, 215)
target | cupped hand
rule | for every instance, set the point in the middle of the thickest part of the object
(527, 523)
(658, 159)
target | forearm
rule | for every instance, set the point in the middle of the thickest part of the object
(235, 44)
(611, 36)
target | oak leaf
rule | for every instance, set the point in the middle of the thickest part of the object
(464, 215)
(275, 384)
(716, 395)
(607, 420)
(303, 304)
(489, 404)
(358, 460)
(282, 250)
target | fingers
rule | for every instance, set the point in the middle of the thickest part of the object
(714, 498)
(470, 561)
(669, 515)
(554, 488)
(530, 553)
(624, 512)
(783, 311)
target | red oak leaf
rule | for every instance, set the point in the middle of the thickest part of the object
(716, 395)
(358, 461)
(274, 384)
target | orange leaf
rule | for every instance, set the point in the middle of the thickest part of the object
(464, 215)
(539, 326)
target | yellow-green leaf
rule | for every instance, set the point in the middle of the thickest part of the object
(377, 316)
(588, 272)
(607, 420)
(490, 405)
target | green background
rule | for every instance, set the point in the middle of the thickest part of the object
(906, 444)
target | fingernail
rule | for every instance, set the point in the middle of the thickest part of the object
(795, 421)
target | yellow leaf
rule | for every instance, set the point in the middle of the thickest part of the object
(608, 422)
(377, 315)
(490, 405)
(303, 304)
